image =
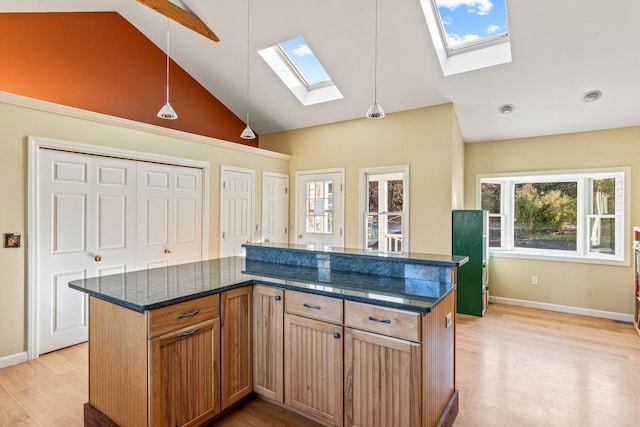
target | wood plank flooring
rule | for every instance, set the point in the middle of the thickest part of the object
(515, 367)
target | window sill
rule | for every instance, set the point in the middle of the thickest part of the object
(559, 258)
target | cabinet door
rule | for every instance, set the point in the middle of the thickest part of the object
(382, 380)
(237, 365)
(313, 368)
(184, 378)
(268, 342)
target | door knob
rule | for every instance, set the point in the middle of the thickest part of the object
(98, 258)
(167, 251)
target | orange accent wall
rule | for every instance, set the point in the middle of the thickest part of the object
(98, 61)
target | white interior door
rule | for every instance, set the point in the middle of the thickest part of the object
(84, 230)
(275, 207)
(320, 207)
(236, 205)
(169, 215)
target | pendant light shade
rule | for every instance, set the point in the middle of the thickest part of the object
(375, 111)
(167, 112)
(248, 133)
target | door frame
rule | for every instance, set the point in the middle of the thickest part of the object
(252, 172)
(35, 144)
(341, 171)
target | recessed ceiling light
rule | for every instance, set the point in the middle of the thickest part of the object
(592, 96)
(507, 108)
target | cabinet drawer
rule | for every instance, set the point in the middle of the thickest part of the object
(313, 306)
(177, 316)
(382, 320)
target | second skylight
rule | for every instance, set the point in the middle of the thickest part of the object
(300, 70)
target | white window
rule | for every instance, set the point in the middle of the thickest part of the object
(565, 215)
(384, 204)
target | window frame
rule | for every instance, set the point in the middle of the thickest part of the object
(584, 179)
(364, 202)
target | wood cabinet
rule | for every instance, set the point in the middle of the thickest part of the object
(382, 380)
(237, 360)
(268, 342)
(382, 367)
(184, 375)
(313, 368)
(159, 367)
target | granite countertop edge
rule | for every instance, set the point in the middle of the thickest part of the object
(426, 308)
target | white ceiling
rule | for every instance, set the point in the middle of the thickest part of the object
(560, 49)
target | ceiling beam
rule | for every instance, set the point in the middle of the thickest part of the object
(181, 16)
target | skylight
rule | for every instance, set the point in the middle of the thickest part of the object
(304, 62)
(468, 34)
(300, 70)
(472, 23)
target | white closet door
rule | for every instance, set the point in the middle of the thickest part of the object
(84, 230)
(169, 215)
(154, 215)
(187, 206)
(275, 207)
(236, 210)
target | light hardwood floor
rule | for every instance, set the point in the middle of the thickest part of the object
(515, 367)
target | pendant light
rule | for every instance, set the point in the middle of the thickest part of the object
(247, 133)
(375, 111)
(167, 112)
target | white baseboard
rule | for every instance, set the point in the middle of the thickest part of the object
(13, 359)
(622, 317)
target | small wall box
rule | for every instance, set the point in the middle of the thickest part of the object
(11, 240)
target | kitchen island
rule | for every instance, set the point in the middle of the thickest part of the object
(345, 337)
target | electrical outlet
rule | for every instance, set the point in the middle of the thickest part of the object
(534, 280)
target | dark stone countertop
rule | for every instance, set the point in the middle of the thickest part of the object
(154, 288)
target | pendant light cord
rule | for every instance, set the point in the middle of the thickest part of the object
(375, 59)
(167, 59)
(248, 27)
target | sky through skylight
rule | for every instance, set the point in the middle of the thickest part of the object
(303, 58)
(466, 21)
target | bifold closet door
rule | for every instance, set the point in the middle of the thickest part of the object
(85, 228)
(169, 215)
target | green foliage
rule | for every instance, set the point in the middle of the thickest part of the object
(544, 207)
(491, 197)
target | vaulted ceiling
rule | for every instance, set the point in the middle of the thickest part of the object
(560, 51)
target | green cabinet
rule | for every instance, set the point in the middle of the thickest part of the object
(471, 239)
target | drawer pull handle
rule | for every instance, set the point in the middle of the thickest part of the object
(277, 297)
(187, 333)
(193, 313)
(315, 307)
(373, 319)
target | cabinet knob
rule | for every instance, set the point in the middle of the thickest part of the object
(299, 236)
(267, 240)
(167, 251)
(97, 258)
(336, 335)
(277, 298)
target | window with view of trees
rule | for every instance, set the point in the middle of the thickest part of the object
(561, 214)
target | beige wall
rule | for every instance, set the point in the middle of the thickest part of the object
(17, 123)
(426, 139)
(590, 286)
